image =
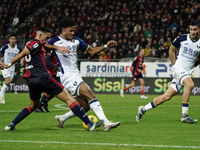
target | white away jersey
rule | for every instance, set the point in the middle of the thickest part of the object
(9, 53)
(68, 62)
(188, 51)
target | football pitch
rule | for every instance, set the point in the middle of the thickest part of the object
(160, 128)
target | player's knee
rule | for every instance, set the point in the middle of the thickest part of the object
(190, 86)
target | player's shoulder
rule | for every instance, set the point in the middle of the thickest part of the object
(53, 40)
(77, 38)
(182, 37)
(18, 47)
(6, 46)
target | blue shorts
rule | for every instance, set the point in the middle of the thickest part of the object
(43, 84)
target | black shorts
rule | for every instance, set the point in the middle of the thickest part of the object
(44, 84)
(57, 78)
(136, 77)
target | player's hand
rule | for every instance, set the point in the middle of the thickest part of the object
(3, 66)
(111, 43)
(21, 63)
(64, 50)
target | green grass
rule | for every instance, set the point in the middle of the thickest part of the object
(160, 128)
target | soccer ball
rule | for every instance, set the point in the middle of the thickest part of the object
(92, 118)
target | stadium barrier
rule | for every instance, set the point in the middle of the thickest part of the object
(105, 85)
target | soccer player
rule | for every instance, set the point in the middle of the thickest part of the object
(9, 51)
(137, 74)
(71, 78)
(39, 80)
(53, 68)
(188, 49)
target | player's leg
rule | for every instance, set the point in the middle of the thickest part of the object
(189, 85)
(22, 115)
(62, 118)
(77, 110)
(44, 103)
(142, 83)
(171, 91)
(4, 89)
(128, 87)
(8, 75)
(87, 93)
(46, 98)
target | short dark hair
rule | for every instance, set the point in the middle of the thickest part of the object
(44, 29)
(12, 35)
(195, 22)
(66, 22)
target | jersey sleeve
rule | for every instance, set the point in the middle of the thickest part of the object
(3, 48)
(83, 46)
(19, 48)
(34, 46)
(178, 40)
(53, 40)
(134, 64)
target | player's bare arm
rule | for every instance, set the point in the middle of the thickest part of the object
(59, 48)
(172, 57)
(16, 58)
(94, 50)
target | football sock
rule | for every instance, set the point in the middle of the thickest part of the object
(68, 115)
(142, 92)
(125, 89)
(185, 107)
(79, 111)
(3, 90)
(96, 107)
(45, 99)
(23, 114)
(149, 106)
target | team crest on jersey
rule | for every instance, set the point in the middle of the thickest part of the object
(35, 45)
(182, 72)
(198, 46)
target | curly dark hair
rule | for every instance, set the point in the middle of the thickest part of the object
(66, 22)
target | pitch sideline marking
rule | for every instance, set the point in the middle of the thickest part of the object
(107, 144)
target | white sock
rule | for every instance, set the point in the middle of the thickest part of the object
(96, 107)
(184, 110)
(150, 105)
(3, 90)
(68, 115)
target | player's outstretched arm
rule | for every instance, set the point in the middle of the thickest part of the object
(17, 57)
(94, 50)
(59, 48)
(172, 57)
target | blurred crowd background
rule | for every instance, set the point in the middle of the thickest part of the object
(134, 24)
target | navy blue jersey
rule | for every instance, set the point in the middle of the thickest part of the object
(35, 61)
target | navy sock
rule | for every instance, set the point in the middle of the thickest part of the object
(23, 114)
(79, 111)
(44, 100)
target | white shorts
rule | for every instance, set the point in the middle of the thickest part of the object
(176, 85)
(180, 74)
(8, 73)
(71, 83)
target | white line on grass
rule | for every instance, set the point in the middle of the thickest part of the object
(102, 144)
